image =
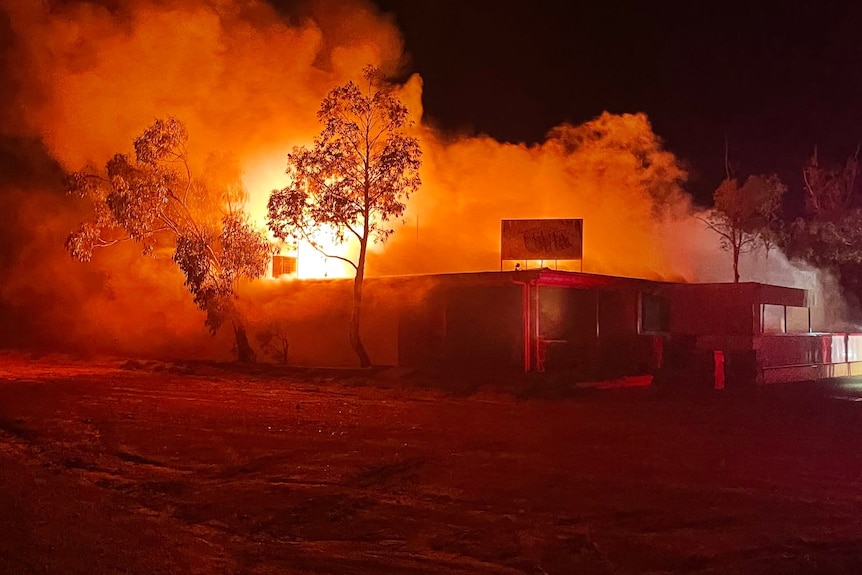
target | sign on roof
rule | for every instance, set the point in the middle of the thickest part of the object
(542, 239)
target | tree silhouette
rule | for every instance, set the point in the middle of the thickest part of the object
(155, 198)
(274, 340)
(353, 180)
(830, 232)
(746, 217)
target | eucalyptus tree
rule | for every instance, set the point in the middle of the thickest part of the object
(354, 180)
(154, 199)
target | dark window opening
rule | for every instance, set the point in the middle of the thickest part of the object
(655, 315)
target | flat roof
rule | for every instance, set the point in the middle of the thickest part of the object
(752, 291)
(541, 277)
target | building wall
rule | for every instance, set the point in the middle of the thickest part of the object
(593, 333)
(711, 309)
(567, 329)
(315, 316)
(464, 327)
(725, 309)
(588, 327)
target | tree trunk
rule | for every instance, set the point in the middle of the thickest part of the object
(285, 347)
(355, 339)
(244, 352)
(735, 264)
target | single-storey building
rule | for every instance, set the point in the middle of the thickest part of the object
(596, 327)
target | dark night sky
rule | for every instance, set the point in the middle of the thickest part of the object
(777, 78)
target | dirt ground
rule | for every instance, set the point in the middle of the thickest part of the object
(147, 468)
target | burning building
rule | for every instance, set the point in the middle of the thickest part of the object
(76, 63)
(583, 326)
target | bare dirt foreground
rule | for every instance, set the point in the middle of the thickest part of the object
(141, 468)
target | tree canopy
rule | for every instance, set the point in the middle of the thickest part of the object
(154, 198)
(354, 180)
(747, 217)
(829, 234)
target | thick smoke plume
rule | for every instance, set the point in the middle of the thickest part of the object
(612, 172)
(82, 79)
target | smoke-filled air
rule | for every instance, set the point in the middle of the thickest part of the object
(83, 79)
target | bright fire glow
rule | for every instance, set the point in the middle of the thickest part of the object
(311, 263)
(260, 177)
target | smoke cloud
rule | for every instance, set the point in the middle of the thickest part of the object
(82, 79)
(612, 172)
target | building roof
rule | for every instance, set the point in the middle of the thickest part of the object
(749, 292)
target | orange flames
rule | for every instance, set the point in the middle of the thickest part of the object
(265, 174)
